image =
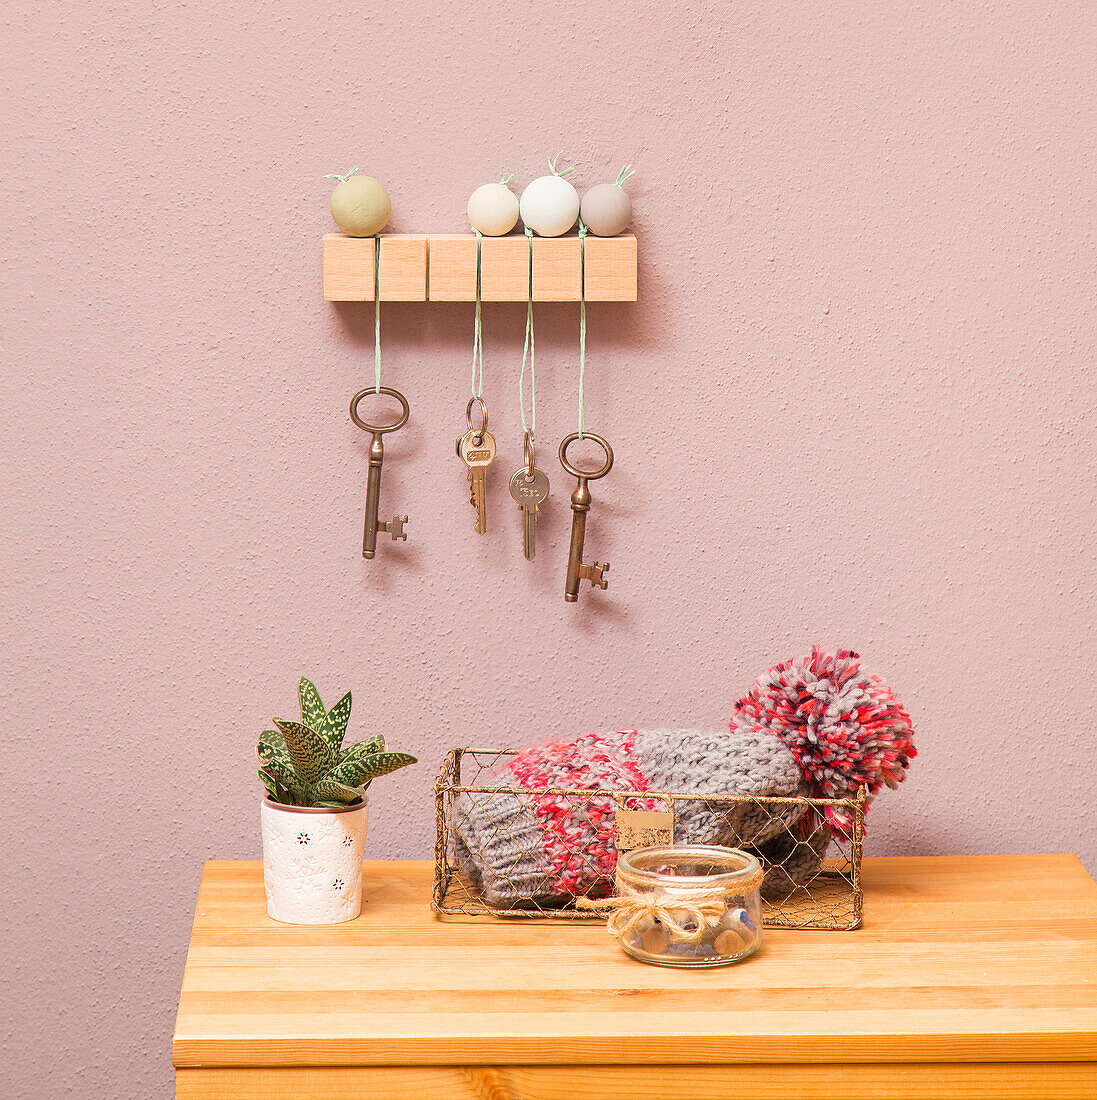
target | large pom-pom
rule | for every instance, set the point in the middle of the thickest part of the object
(843, 725)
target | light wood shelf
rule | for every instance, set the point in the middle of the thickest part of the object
(442, 268)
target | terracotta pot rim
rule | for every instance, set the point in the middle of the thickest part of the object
(361, 804)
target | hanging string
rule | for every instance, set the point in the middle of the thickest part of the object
(582, 327)
(527, 349)
(477, 383)
(376, 313)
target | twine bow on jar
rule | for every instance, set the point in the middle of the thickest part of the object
(683, 912)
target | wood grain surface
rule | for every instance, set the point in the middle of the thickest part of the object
(989, 959)
(969, 1080)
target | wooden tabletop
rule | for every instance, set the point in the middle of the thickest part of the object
(988, 959)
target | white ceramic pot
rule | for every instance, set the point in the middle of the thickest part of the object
(312, 862)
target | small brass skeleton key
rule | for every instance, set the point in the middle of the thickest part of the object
(580, 505)
(395, 526)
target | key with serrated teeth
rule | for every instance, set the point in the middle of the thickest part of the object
(530, 491)
(477, 451)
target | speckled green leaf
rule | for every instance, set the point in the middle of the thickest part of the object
(313, 714)
(271, 746)
(276, 790)
(363, 749)
(328, 790)
(309, 752)
(271, 751)
(282, 772)
(269, 783)
(335, 724)
(357, 773)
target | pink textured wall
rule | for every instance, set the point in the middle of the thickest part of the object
(855, 404)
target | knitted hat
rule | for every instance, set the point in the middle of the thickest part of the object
(543, 849)
(818, 727)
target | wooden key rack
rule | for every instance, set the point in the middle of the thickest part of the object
(442, 268)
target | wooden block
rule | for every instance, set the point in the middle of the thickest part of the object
(611, 269)
(348, 268)
(504, 277)
(504, 268)
(557, 271)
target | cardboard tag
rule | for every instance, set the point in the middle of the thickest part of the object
(642, 829)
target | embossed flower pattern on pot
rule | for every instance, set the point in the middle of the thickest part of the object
(313, 871)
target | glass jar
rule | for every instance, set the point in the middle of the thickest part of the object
(694, 905)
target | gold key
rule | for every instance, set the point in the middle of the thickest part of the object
(476, 449)
(477, 452)
(394, 526)
(580, 505)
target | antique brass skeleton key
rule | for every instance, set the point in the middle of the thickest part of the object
(580, 505)
(394, 526)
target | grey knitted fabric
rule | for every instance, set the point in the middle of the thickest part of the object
(520, 851)
(495, 847)
(683, 761)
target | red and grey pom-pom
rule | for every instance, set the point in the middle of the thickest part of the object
(843, 725)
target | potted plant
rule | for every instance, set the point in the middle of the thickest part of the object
(315, 810)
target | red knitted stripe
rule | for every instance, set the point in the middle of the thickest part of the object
(578, 853)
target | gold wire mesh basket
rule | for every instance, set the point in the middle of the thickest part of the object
(472, 786)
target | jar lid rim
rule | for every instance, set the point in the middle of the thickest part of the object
(749, 866)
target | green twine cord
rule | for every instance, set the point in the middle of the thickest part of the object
(527, 349)
(376, 313)
(552, 166)
(341, 179)
(477, 383)
(582, 328)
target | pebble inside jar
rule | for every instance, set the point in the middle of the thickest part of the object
(688, 906)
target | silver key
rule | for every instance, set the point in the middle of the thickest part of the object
(477, 452)
(529, 493)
